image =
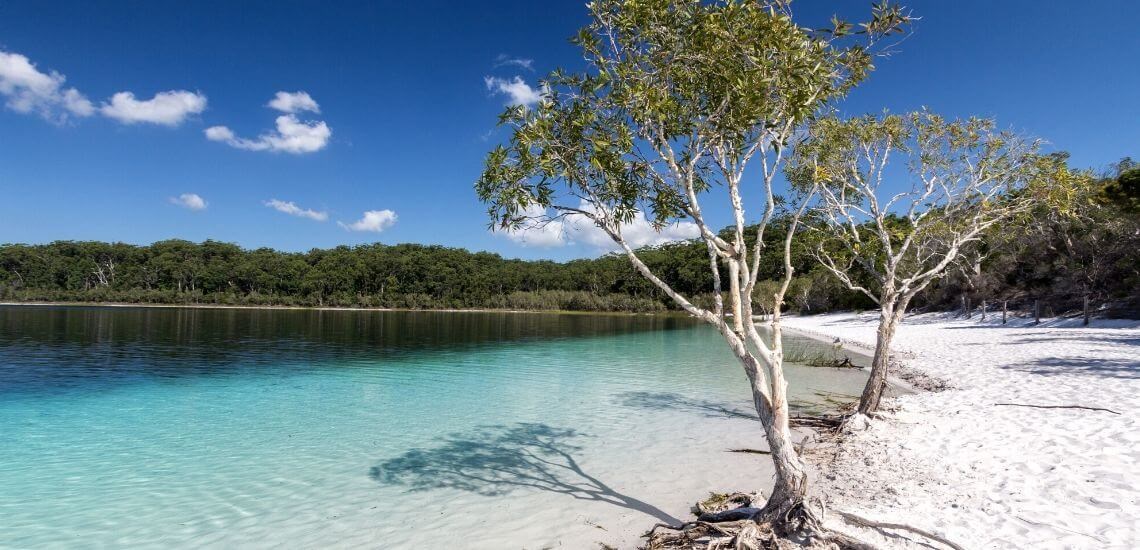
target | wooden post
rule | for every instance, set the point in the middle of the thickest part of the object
(1086, 310)
(1036, 312)
(1004, 303)
(983, 309)
(969, 309)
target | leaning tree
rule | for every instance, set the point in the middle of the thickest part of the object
(678, 98)
(904, 197)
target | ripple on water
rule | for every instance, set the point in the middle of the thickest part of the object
(159, 428)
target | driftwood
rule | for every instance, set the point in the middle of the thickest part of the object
(844, 364)
(750, 451)
(1055, 407)
(823, 422)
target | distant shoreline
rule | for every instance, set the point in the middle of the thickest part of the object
(327, 308)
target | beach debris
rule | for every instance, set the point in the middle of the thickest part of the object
(595, 525)
(856, 423)
(719, 502)
(918, 379)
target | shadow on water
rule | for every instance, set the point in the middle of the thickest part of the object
(667, 401)
(496, 460)
(818, 402)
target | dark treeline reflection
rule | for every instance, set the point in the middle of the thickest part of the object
(44, 348)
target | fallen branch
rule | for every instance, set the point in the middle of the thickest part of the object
(820, 422)
(903, 527)
(844, 364)
(750, 451)
(1055, 407)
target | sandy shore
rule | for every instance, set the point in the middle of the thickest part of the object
(998, 476)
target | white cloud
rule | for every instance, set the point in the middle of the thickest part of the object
(189, 200)
(219, 133)
(294, 103)
(504, 60)
(28, 90)
(76, 103)
(580, 229)
(517, 91)
(637, 233)
(373, 220)
(166, 108)
(291, 136)
(293, 210)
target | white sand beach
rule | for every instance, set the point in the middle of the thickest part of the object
(996, 476)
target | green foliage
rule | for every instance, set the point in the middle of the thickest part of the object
(890, 230)
(1123, 191)
(1057, 257)
(669, 83)
(401, 276)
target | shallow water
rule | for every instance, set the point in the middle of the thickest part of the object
(190, 427)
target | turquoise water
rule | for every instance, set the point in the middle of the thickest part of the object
(131, 427)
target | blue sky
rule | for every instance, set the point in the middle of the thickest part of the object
(398, 114)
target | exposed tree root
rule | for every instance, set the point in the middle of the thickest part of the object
(857, 520)
(746, 527)
(1055, 407)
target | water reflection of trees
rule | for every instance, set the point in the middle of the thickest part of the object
(66, 346)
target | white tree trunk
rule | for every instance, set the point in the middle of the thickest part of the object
(738, 315)
(790, 485)
(889, 316)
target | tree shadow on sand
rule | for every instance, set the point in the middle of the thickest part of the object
(1087, 366)
(496, 460)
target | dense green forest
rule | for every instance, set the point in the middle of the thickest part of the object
(1093, 251)
(1060, 258)
(375, 275)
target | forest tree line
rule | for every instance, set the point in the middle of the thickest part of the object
(1057, 259)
